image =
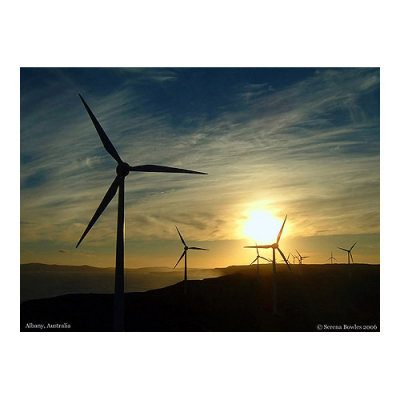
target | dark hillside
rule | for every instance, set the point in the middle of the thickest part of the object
(310, 296)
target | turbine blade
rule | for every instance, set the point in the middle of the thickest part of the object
(266, 259)
(351, 255)
(197, 248)
(160, 168)
(342, 249)
(280, 232)
(306, 257)
(351, 248)
(103, 137)
(253, 261)
(283, 256)
(104, 203)
(180, 236)
(258, 254)
(180, 258)
(298, 253)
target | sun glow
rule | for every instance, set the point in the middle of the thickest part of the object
(262, 227)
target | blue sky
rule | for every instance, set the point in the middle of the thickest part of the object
(302, 142)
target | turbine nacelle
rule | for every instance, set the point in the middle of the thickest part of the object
(122, 169)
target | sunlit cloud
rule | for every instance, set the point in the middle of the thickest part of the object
(309, 149)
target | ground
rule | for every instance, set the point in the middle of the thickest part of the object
(310, 298)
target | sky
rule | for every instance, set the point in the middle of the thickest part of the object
(301, 142)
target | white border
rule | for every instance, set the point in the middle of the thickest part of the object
(178, 33)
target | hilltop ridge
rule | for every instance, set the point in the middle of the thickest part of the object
(237, 301)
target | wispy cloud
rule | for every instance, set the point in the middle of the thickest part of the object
(310, 149)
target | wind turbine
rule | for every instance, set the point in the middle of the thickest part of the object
(185, 249)
(274, 246)
(301, 258)
(349, 255)
(118, 183)
(258, 262)
(288, 258)
(331, 258)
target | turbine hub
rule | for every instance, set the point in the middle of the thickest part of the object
(275, 246)
(122, 169)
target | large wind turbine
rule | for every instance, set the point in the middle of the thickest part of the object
(274, 246)
(185, 249)
(331, 258)
(258, 262)
(122, 171)
(301, 258)
(349, 255)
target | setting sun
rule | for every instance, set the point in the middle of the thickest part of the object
(262, 227)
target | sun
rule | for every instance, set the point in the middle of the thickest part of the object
(262, 227)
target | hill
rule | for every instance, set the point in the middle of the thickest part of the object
(41, 280)
(311, 298)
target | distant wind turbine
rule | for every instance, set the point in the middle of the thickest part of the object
(301, 258)
(349, 255)
(185, 249)
(274, 246)
(331, 258)
(258, 264)
(122, 171)
(287, 258)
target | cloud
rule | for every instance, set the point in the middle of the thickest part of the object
(310, 149)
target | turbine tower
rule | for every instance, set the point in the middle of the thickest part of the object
(274, 246)
(331, 258)
(349, 255)
(301, 258)
(258, 262)
(118, 183)
(185, 249)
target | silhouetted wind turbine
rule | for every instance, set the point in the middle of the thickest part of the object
(331, 258)
(301, 258)
(258, 264)
(274, 246)
(185, 249)
(287, 258)
(348, 253)
(122, 170)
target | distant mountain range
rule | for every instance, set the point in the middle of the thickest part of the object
(43, 280)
